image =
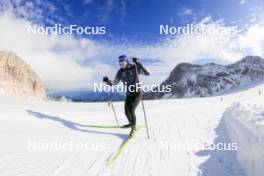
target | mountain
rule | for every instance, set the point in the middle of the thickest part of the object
(193, 80)
(84, 96)
(17, 78)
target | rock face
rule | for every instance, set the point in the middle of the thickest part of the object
(18, 79)
(189, 80)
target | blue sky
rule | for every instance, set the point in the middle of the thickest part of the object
(139, 19)
(132, 29)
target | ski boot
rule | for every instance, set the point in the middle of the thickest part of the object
(126, 126)
(132, 132)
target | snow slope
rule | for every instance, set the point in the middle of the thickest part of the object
(245, 124)
(52, 125)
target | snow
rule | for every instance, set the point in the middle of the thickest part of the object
(64, 145)
(2, 91)
(246, 127)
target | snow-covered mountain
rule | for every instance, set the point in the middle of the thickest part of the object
(193, 80)
(85, 96)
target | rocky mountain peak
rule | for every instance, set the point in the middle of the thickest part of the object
(19, 79)
(193, 80)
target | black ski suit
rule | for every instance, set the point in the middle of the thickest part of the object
(129, 78)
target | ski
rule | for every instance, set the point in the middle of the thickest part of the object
(109, 126)
(123, 146)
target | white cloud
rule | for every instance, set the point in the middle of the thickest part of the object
(59, 59)
(243, 2)
(256, 13)
(37, 11)
(59, 69)
(185, 11)
(188, 12)
(253, 40)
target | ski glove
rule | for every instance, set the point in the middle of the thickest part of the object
(135, 60)
(106, 79)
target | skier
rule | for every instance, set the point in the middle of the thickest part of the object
(128, 74)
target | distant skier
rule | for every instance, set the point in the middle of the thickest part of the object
(128, 75)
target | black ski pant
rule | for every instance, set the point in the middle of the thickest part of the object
(131, 104)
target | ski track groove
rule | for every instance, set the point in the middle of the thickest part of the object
(47, 167)
(50, 167)
(99, 162)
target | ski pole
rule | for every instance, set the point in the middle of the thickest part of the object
(111, 103)
(142, 102)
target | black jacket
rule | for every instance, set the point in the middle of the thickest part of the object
(129, 77)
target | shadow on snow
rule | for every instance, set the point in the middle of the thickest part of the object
(220, 162)
(72, 125)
